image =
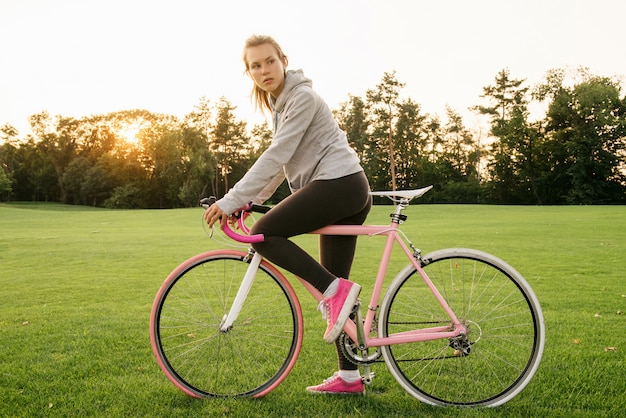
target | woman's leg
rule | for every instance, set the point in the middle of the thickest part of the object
(336, 255)
(309, 209)
(320, 203)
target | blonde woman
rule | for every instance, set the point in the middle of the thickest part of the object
(313, 154)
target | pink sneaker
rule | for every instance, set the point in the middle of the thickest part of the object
(336, 385)
(338, 307)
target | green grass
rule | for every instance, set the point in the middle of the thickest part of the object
(77, 285)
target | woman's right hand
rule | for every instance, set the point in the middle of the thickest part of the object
(213, 214)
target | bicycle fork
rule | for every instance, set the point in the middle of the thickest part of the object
(229, 318)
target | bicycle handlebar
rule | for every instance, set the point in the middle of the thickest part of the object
(243, 213)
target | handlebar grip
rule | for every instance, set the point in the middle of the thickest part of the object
(253, 207)
(247, 239)
(259, 208)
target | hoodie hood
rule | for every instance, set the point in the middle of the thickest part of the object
(293, 79)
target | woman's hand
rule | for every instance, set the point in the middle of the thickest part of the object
(213, 214)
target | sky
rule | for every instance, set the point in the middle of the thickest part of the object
(76, 58)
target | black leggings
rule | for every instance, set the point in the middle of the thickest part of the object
(345, 201)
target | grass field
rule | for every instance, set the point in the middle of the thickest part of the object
(77, 284)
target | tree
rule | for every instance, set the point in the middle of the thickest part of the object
(73, 179)
(586, 131)
(513, 149)
(163, 147)
(229, 143)
(410, 145)
(34, 176)
(56, 147)
(9, 132)
(457, 161)
(6, 184)
(506, 95)
(383, 107)
(458, 144)
(8, 149)
(198, 167)
(199, 164)
(127, 196)
(201, 117)
(96, 186)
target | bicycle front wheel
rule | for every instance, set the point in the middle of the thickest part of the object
(506, 333)
(249, 359)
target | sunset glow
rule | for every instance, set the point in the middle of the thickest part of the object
(130, 133)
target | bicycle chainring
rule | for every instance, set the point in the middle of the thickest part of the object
(353, 354)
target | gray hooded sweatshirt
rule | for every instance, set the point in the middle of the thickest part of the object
(307, 145)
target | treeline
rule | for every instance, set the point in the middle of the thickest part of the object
(139, 159)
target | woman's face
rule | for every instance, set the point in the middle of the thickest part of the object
(266, 68)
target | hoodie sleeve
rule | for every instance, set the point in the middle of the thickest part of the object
(269, 189)
(296, 117)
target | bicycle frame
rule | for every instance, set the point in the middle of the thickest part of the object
(394, 238)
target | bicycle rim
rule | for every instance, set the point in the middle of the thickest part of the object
(506, 333)
(251, 358)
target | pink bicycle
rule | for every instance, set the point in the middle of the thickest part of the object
(455, 327)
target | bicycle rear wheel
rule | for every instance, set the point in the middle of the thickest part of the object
(252, 357)
(506, 333)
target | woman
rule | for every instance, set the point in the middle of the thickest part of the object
(312, 153)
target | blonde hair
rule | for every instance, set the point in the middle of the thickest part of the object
(261, 97)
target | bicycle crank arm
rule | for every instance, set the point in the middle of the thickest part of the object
(367, 374)
(360, 332)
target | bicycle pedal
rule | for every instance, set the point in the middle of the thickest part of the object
(367, 380)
